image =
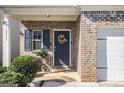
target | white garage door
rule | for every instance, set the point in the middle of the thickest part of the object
(110, 54)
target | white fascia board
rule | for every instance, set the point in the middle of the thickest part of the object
(102, 7)
(44, 18)
(42, 11)
(1, 11)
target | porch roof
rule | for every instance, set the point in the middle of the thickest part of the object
(43, 13)
(54, 12)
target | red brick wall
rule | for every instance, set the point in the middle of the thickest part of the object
(50, 25)
(87, 50)
(84, 39)
(90, 21)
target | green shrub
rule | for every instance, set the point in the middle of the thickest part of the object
(2, 69)
(42, 53)
(26, 65)
(12, 79)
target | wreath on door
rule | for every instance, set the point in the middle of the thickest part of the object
(62, 39)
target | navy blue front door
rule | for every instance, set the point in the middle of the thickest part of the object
(61, 48)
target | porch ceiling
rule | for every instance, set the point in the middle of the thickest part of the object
(57, 12)
(45, 18)
(43, 13)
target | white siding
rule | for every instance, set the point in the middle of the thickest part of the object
(0, 42)
(15, 29)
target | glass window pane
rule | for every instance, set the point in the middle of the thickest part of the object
(37, 39)
(37, 35)
(28, 34)
(37, 45)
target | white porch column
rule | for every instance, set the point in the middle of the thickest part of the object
(6, 41)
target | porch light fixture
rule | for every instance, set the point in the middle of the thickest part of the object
(76, 6)
(48, 15)
(5, 21)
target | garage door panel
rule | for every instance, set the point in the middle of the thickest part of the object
(115, 46)
(110, 54)
(115, 62)
(111, 74)
(111, 62)
(120, 62)
(118, 53)
(115, 74)
(115, 38)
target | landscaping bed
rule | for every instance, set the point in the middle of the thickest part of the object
(20, 73)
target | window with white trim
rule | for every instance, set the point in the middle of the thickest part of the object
(37, 40)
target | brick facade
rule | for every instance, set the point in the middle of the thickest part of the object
(87, 53)
(89, 23)
(84, 38)
(39, 25)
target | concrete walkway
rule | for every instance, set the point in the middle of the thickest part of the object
(76, 84)
(62, 84)
(68, 79)
(64, 75)
(69, 84)
(111, 84)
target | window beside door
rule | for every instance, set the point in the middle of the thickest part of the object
(36, 39)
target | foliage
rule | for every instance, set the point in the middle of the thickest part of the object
(26, 65)
(2, 69)
(42, 53)
(13, 79)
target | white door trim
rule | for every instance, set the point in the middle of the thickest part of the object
(69, 43)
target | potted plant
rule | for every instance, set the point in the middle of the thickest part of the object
(42, 53)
